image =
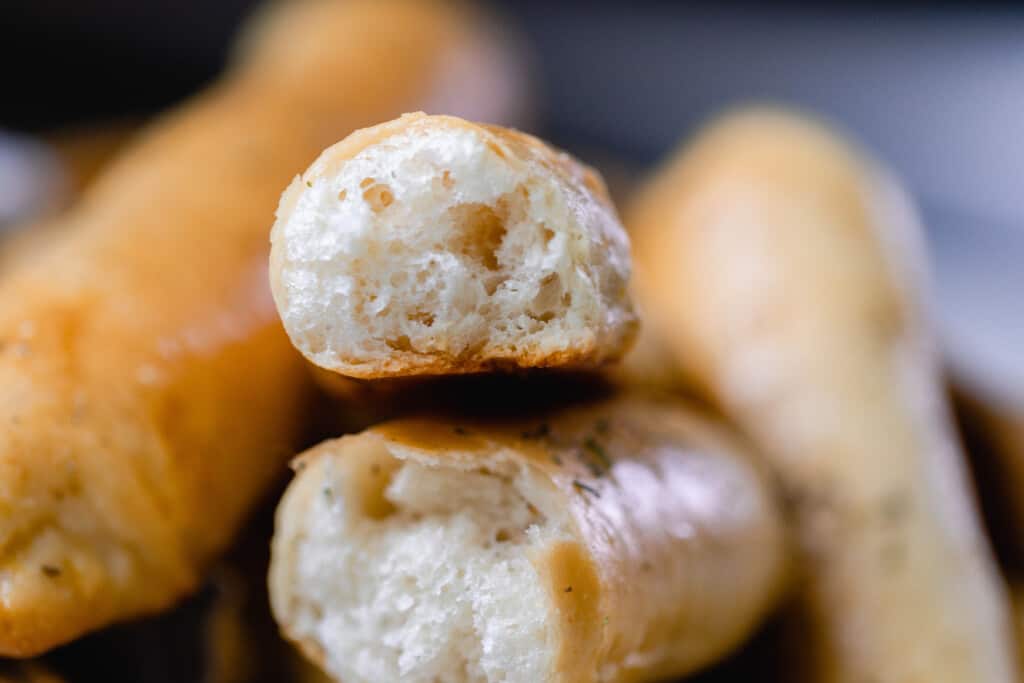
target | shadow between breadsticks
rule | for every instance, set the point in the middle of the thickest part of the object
(627, 540)
(785, 272)
(993, 429)
(149, 393)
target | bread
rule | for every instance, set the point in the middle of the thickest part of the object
(431, 245)
(627, 540)
(149, 392)
(786, 272)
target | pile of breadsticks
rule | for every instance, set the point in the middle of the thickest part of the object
(620, 537)
(670, 433)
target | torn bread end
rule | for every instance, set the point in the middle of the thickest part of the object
(431, 245)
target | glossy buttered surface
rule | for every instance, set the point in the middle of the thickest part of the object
(785, 272)
(673, 547)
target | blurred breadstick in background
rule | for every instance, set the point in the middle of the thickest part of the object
(25, 239)
(150, 394)
(784, 271)
(625, 540)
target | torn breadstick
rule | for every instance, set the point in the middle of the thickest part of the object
(785, 271)
(627, 540)
(431, 245)
(149, 393)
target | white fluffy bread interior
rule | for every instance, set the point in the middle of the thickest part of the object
(440, 590)
(434, 242)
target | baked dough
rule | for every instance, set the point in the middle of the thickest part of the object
(431, 245)
(785, 271)
(628, 540)
(149, 392)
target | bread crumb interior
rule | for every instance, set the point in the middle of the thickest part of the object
(425, 579)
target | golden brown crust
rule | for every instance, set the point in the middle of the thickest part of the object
(520, 150)
(783, 269)
(675, 548)
(410, 365)
(149, 392)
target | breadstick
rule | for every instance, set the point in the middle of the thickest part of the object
(626, 540)
(785, 271)
(149, 393)
(431, 245)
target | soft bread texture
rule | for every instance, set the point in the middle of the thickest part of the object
(785, 271)
(627, 540)
(149, 392)
(431, 245)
